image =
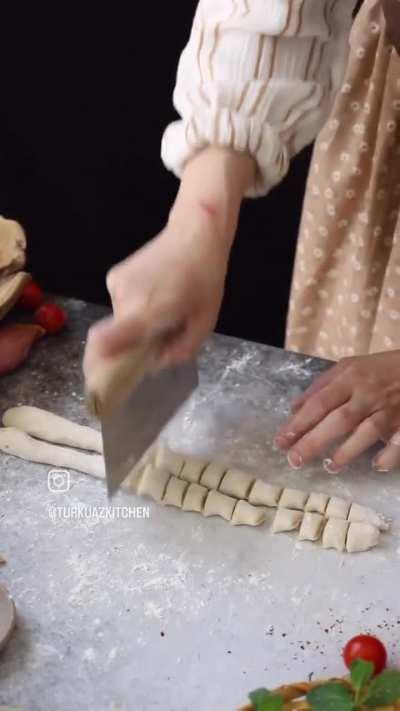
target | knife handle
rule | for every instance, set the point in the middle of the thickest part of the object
(115, 379)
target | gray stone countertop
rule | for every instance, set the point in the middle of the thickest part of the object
(177, 612)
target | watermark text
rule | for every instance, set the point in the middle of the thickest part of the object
(81, 512)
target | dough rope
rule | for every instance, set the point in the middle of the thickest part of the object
(47, 426)
(20, 444)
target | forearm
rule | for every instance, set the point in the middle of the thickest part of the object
(213, 185)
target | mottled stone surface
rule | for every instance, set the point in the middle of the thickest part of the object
(177, 612)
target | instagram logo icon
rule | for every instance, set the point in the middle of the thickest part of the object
(58, 480)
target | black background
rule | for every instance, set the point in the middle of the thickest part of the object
(86, 95)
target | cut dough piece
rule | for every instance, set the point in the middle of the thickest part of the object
(247, 515)
(153, 483)
(192, 470)
(194, 498)
(361, 537)
(337, 508)
(52, 428)
(175, 492)
(219, 505)
(335, 533)
(171, 461)
(263, 494)
(20, 444)
(236, 483)
(316, 503)
(286, 520)
(293, 499)
(311, 527)
(212, 475)
(362, 514)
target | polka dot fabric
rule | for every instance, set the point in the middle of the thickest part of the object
(345, 296)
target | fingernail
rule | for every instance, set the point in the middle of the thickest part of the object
(295, 460)
(330, 466)
(280, 442)
(380, 468)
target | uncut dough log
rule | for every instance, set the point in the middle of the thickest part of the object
(335, 533)
(153, 483)
(20, 444)
(263, 494)
(311, 527)
(362, 514)
(217, 504)
(247, 515)
(237, 483)
(361, 537)
(175, 492)
(47, 426)
(286, 520)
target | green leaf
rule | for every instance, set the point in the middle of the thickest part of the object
(361, 673)
(331, 697)
(264, 700)
(384, 689)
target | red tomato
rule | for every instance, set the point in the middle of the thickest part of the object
(368, 648)
(51, 317)
(32, 296)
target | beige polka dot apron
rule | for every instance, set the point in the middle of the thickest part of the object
(345, 297)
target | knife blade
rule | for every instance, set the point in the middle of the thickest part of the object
(134, 404)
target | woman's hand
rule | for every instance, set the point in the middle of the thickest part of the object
(175, 283)
(359, 398)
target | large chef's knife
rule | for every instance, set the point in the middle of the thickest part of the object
(134, 403)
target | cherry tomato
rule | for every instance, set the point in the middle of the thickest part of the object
(368, 648)
(51, 317)
(31, 297)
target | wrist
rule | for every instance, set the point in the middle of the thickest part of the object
(211, 191)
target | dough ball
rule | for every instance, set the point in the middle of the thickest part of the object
(361, 537)
(175, 492)
(212, 475)
(153, 483)
(247, 515)
(218, 504)
(316, 503)
(335, 534)
(194, 498)
(293, 499)
(286, 520)
(263, 494)
(236, 483)
(337, 508)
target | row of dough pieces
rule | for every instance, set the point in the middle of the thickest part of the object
(26, 420)
(167, 489)
(242, 485)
